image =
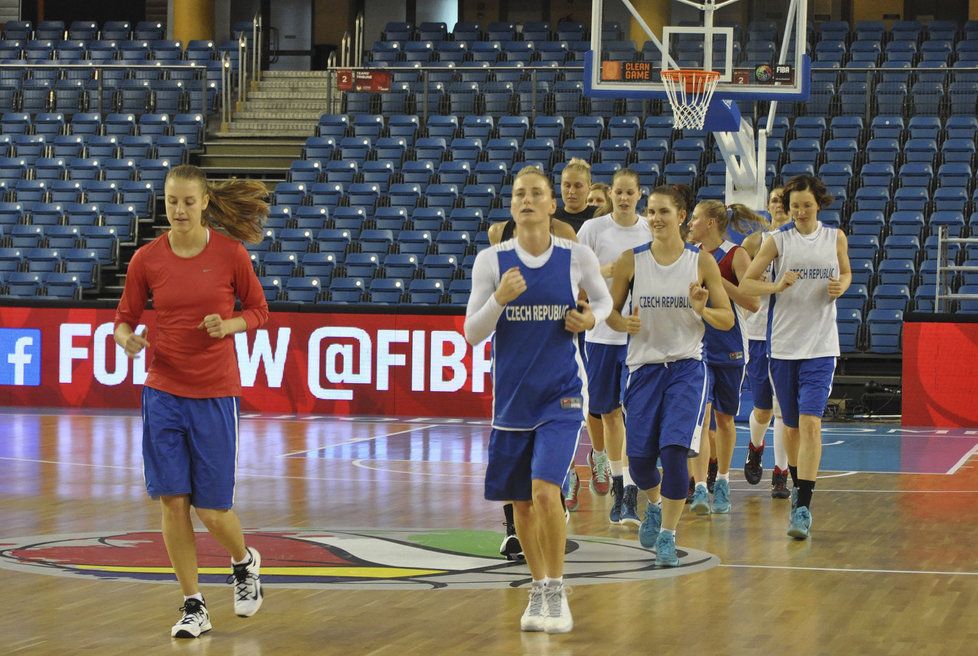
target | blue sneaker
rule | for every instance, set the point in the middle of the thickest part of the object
(665, 550)
(617, 494)
(721, 497)
(648, 532)
(701, 501)
(801, 523)
(794, 498)
(629, 506)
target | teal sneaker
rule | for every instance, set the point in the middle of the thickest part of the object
(648, 532)
(794, 498)
(721, 497)
(801, 523)
(701, 501)
(629, 507)
(665, 550)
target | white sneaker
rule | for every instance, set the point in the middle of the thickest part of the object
(247, 585)
(195, 620)
(533, 619)
(558, 616)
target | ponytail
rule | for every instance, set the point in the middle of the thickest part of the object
(743, 219)
(236, 207)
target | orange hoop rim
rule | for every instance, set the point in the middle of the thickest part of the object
(690, 73)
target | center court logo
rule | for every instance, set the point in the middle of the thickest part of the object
(420, 559)
(20, 356)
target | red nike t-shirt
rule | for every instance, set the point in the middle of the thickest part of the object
(186, 361)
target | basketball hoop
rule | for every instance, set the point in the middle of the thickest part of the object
(689, 91)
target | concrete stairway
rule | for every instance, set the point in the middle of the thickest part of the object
(285, 104)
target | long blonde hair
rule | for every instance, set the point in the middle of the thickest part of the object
(737, 215)
(237, 207)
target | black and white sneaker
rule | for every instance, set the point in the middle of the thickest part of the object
(195, 620)
(510, 546)
(247, 585)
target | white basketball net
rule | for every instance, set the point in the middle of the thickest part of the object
(689, 94)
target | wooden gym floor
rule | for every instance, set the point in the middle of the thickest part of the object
(892, 567)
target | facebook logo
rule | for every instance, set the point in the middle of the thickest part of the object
(20, 356)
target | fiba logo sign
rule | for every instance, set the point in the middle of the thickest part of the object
(20, 356)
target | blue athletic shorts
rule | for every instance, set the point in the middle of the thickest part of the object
(190, 446)
(606, 375)
(665, 405)
(724, 392)
(518, 457)
(759, 376)
(802, 386)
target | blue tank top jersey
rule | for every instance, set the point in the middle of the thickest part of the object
(538, 373)
(726, 348)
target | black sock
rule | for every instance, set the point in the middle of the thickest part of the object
(793, 470)
(805, 490)
(510, 524)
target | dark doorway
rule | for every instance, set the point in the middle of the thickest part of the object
(956, 10)
(72, 10)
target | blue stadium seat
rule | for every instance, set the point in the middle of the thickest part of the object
(885, 329)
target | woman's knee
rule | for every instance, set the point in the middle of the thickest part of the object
(177, 505)
(545, 495)
(644, 472)
(210, 517)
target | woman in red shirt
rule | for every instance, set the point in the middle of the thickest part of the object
(190, 400)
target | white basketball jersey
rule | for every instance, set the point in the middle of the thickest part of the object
(609, 240)
(755, 324)
(671, 329)
(802, 317)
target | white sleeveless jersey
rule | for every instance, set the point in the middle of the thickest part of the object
(609, 240)
(755, 324)
(802, 317)
(671, 329)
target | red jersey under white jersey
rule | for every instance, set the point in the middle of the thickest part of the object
(186, 361)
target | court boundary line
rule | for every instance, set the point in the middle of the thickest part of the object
(356, 441)
(847, 570)
(359, 463)
(965, 458)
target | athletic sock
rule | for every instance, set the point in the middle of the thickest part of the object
(757, 432)
(199, 597)
(780, 453)
(702, 485)
(508, 512)
(627, 477)
(724, 477)
(616, 467)
(805, 491)
(668, 531)
(793, 470)
(247, 559)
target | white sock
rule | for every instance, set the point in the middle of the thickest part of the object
(724, 477)
(199, 597)
(616, 467)
(627, 477)
(701, 485)
(780, 454)
(668, 531)
(596, 452)
(555, 583)
(539, 584)
(247, 559)
(757, 431)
